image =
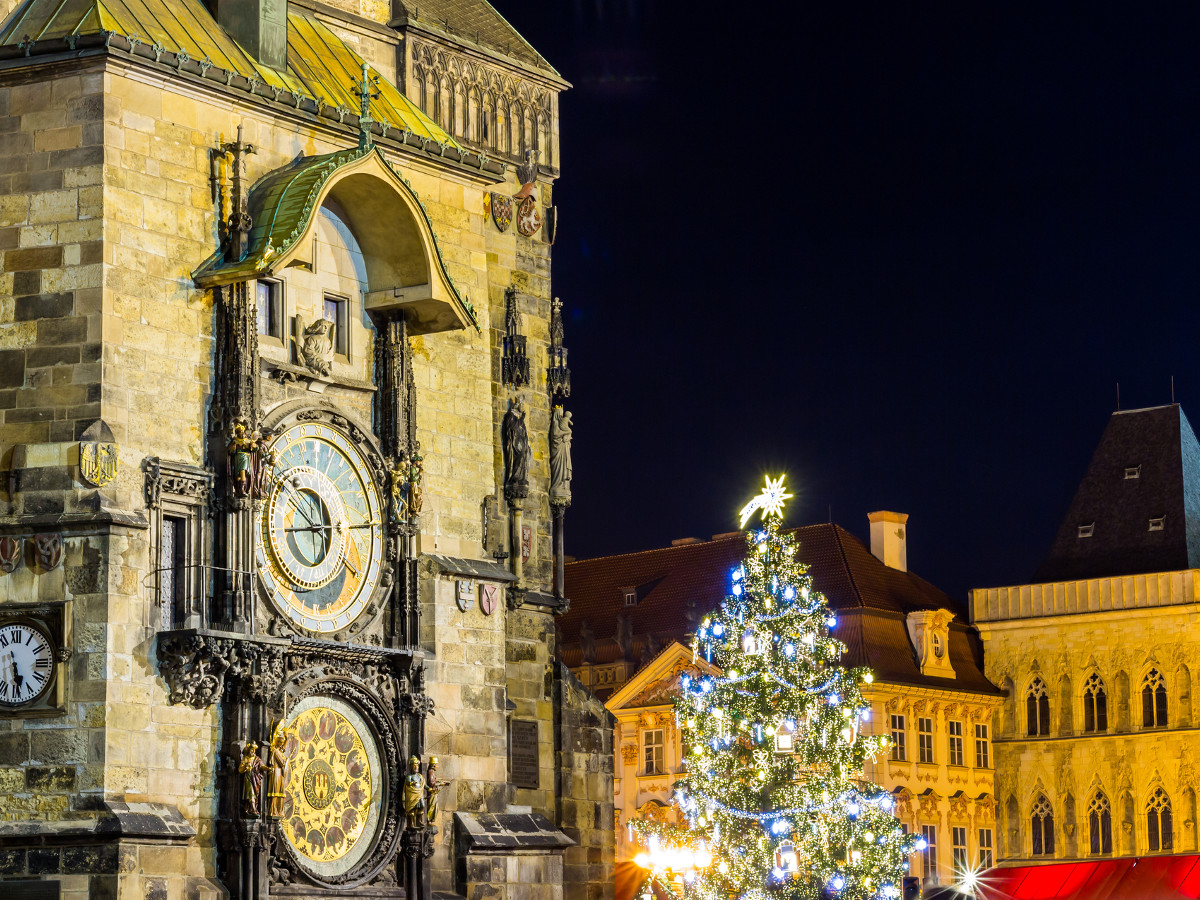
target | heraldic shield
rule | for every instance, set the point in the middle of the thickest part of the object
(502, 211)
(98, 461)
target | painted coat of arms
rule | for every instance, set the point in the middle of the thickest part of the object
(98, 461)
(488, 594)
(529, 219)
(502, 211)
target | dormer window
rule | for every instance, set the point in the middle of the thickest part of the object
(631, 597)
(1157, 523)
(1133, 472)
(1086, 530)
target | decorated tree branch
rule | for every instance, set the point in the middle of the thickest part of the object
(773, 802)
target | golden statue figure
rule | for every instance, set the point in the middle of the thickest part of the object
(253, 769)
(432, 786)
(414, 795)
(280, 772)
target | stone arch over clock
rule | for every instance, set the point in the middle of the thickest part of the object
(324, 551)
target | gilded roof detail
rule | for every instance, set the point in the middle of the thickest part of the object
(321, 66)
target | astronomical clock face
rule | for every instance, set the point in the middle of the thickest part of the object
(320, 538)
(332, 800)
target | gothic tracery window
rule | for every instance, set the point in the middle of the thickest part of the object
(1037, 708)
(1041, 822)
(1158, 822)
(1095, 704)
(1100, 824)
(1154, 700)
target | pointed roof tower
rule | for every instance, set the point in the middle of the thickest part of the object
(1137, 509)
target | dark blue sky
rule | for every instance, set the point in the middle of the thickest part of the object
(903, 252)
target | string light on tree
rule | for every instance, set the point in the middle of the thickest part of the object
(773, 789)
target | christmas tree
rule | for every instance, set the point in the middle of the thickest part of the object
(772, 801)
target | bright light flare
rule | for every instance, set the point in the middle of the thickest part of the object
(769, 502)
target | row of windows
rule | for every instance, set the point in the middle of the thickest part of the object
(1159, 834)
(271, 315)
(1095, 704)
(960, 857)
(925, 752)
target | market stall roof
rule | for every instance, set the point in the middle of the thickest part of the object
(1157, 877)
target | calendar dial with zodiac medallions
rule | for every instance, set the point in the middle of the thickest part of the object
(331, 805)
(319, 539)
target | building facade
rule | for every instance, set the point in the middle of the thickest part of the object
(282, 388)
(1096, 745)
(929, 696)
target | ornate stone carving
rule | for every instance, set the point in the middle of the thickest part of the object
(194, 667)
(629, 753)
(314, 346)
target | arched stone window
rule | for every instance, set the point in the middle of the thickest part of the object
(1154, 700)
(1095, 704)
(1159, 836)
(1100, 824)
(1037, 709)
(1041, 822)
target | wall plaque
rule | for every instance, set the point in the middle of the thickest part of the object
(523, 753)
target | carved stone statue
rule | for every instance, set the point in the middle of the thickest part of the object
(253, 769)
(587, 641)
(414, 795)
(560, 456)
(432, 786)
(625, 635)
(516, 451)
(314, 347)
(280, 772)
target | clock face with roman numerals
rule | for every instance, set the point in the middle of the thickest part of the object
(26, 664)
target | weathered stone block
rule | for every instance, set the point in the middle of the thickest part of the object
(50, 778)
(33, 258)
(43, 306)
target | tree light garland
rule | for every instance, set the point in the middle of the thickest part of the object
(772, 791)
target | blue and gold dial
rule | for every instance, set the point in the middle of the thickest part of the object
(320, 538)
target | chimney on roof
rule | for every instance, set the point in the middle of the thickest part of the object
(260, 26)
(889, 532)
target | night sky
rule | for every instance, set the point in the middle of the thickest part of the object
(902, 252)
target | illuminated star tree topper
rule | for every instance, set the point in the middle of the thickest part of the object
(770, 501)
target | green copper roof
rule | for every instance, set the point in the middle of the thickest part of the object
(320, 64)
(282, 205)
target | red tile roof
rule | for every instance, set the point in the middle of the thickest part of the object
(678, 585)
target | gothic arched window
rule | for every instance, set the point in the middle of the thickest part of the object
(1154, 700)
(1041, 823)
(1100, 824)
(1095, 704)
(1037, 708)
(1158, 821)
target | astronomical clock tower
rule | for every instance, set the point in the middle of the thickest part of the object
(285, 459)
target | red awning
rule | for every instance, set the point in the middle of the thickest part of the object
(1145, 878)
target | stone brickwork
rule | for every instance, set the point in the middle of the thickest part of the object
(1118, 630)
(585, 771)
(108, 206)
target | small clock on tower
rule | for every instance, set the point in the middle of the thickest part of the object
(33, 653)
